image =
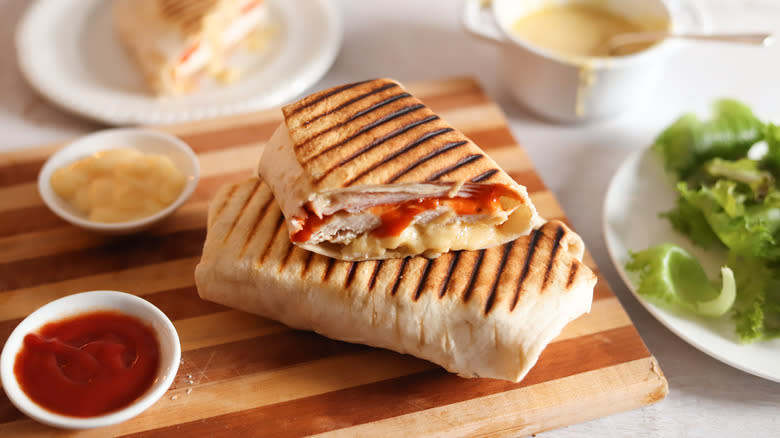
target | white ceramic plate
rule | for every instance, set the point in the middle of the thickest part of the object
(68, 51)
(638, 192)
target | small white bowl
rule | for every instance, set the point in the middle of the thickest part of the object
(71, 305)
(571, 88)
(144, 140)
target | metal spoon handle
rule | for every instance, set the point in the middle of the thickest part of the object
(758, 39)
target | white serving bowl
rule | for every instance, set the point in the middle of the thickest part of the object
(72, 305)
(567, 88)
(144, 140)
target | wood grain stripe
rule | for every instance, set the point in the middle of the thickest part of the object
(417, 391)
(530, 179)
(183, 303)
(214, 329)
(65, 238)
(141, 280)
(531, 406)
(116, 255)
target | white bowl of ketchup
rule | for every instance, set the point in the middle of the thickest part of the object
(90, 359)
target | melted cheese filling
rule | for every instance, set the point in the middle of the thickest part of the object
(433, 239)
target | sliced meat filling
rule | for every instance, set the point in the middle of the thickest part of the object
(389, 214)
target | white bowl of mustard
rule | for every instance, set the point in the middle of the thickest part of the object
(119, 181)
(548, 64)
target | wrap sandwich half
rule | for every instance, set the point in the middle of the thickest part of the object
(174, 41)
(367, 171)
(485, 313)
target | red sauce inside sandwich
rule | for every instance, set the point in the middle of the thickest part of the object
(396, 217)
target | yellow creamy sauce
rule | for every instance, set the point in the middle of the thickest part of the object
(118, 185)
(575, 29)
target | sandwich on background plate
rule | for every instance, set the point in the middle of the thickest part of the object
(174, 41)
(485, 313)
(367, 171)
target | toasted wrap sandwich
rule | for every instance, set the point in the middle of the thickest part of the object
(174, 41)
(367, 171)
(485, 313)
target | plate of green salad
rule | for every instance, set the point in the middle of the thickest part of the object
(693, 226)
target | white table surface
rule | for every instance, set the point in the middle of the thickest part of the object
(414, 40)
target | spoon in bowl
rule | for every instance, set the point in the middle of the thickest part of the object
(625, 39)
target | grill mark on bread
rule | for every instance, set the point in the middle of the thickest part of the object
(328, 269)
(270, 244)
(372, 280)
(350, 274)
(421, 281)
(188, 14)
(454, 258)
(373, 145)
(350, 102)
(526, 266)
(484, 176)
(307, 262)
(422, 139)
(352, 118)
(362, 130)
(462, 162)
(288, 251)
(400, 276)
(551, 260)
(241, 211)
(256, 225)
(228, 197)
(573, 270)
(376, 106)
(491, 298)
(430, 155)
(474, 273)
(317, 99)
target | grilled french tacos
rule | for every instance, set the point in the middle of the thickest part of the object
(174, 41)
(482, 313)
(367, 171)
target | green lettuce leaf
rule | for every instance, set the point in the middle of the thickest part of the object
(746, 228)
(670, 275)
(772, 157)
(757, 306)
(690, 221)
(745, 171)
(689, 142)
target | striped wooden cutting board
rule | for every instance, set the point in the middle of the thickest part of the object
(244, 375)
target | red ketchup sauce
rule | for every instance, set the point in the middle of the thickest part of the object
(90, 364)
(396, 217)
